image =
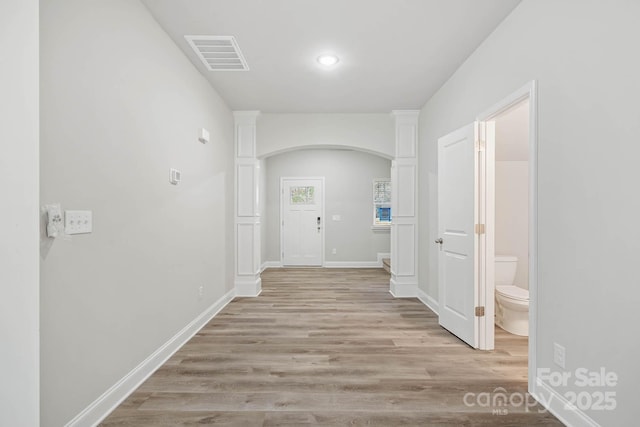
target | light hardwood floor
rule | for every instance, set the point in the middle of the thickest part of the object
(332, 347)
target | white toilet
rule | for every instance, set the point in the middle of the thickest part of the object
(512, 302)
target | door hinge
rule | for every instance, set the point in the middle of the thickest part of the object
(479, 228)
(480, 311)
(481, 144)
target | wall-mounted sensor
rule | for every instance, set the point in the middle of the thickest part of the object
(55, 227)
(174, 176)
(204, 136)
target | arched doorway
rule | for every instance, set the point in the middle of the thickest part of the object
(402, 136)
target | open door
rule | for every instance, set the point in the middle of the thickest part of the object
(457, 241)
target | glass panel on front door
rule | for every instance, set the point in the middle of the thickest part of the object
(302, 195)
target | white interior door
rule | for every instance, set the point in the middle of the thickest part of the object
(457, 193)
(302, 221)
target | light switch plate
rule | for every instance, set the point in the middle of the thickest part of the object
(174, 176)
(559, 355)
(78, 222)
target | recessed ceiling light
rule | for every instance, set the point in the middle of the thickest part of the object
(328, 60)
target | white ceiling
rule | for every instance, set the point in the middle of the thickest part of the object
(394, 54)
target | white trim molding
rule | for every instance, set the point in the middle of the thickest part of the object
(248, 287)
(402, 290)
(404, 206)
(270, 264)
(430, 302)
(334, 264)
(359, 264)
(247, 205)
(98, 410)
(352, 264)
(563, 410)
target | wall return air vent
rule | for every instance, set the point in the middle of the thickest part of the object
(218, 53)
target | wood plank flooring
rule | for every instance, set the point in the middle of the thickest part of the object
(332, 347)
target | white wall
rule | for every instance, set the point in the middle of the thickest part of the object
(278, 133)
(19, 346)
(512, 215)
(349, 179)
(120, 106)
(583, 56)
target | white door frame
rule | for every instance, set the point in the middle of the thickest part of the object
(527, 92)
(324, 219)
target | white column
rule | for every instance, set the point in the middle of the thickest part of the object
(404, 206)
(247, 212)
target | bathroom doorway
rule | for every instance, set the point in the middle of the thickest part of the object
(511, 221)
(508, 208)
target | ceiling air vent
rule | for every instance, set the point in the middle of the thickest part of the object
(218, 53)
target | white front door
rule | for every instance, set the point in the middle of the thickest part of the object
(457, 193)
(302, 221)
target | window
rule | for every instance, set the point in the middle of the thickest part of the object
(382, 202)
(302, 195)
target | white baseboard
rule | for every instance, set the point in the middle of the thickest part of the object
(352, 264)
(248, 287)
(336, 264)
(98, 410)
(270, 264)
(403, 290)
(561, 408)
(428, 301)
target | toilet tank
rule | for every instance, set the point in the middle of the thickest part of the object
(505, 272)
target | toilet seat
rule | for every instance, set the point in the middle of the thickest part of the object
(513, 292)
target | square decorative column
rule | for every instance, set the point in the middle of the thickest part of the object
(247, 213)
(404, 206)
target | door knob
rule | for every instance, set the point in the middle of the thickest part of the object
(439, 240)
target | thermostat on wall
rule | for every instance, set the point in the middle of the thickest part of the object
(174, 176)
